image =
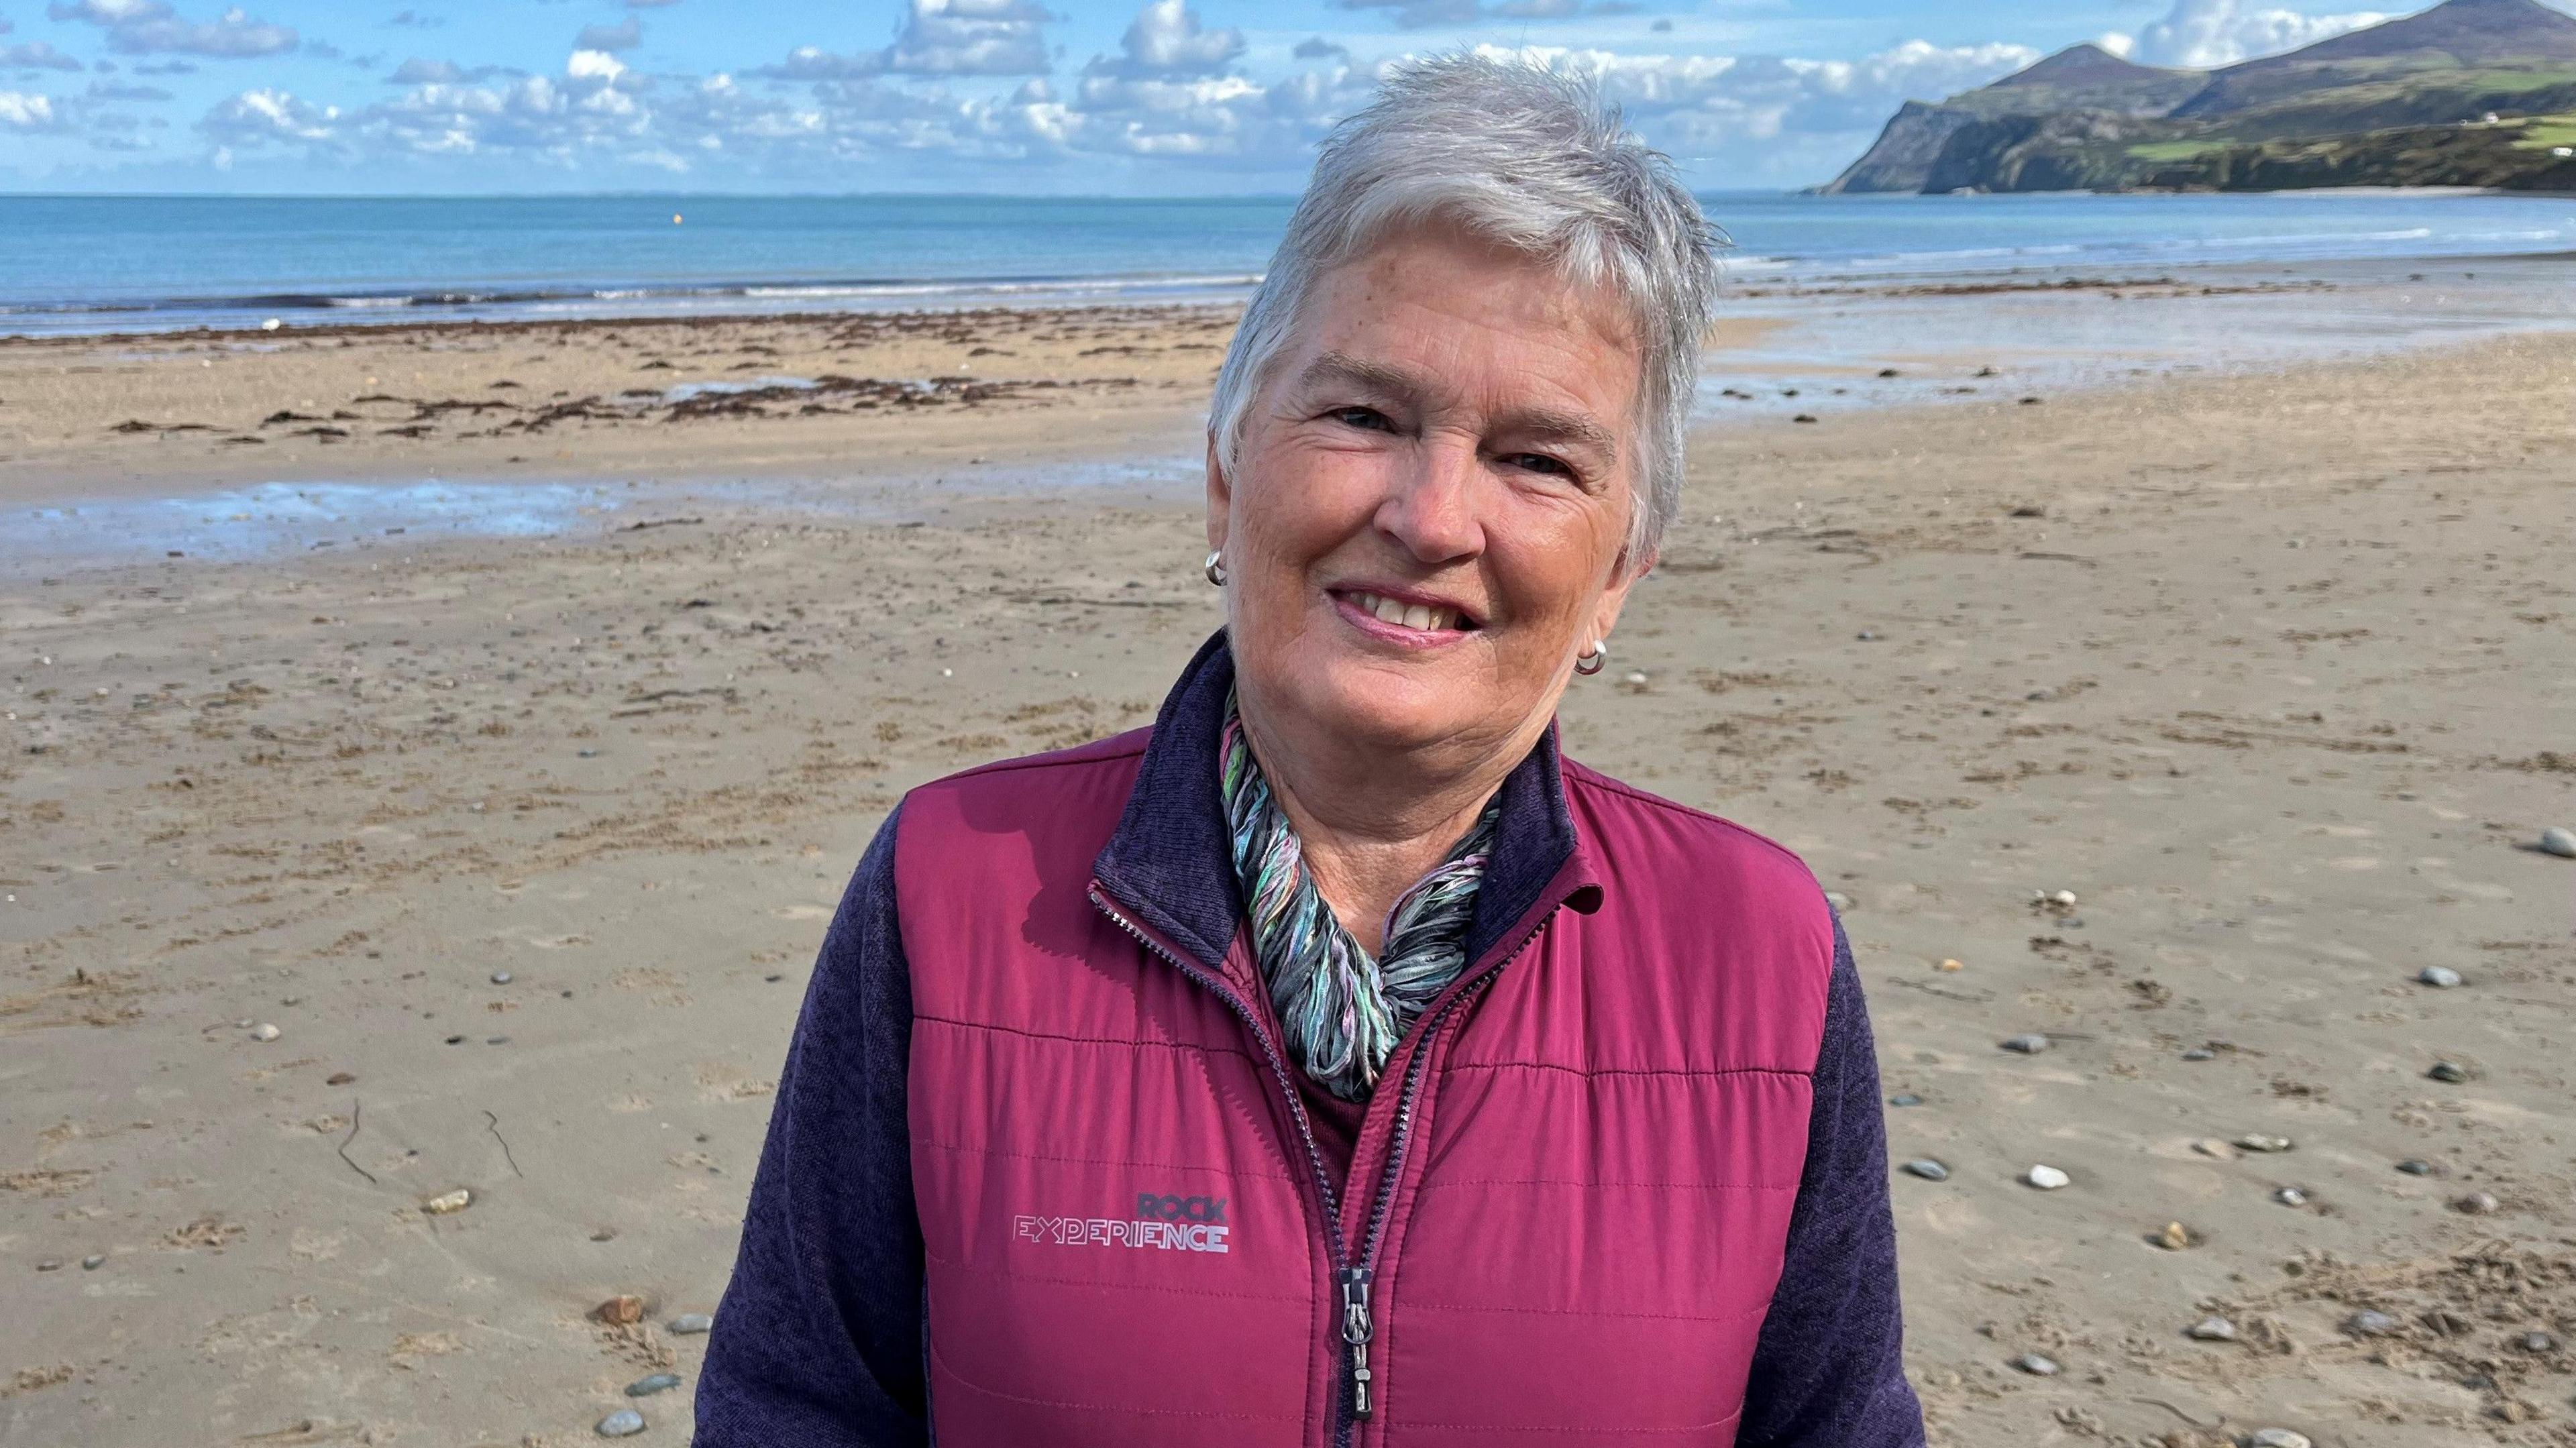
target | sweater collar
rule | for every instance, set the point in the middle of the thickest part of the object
(1169, 860)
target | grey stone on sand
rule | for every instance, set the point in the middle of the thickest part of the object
(2030, 1043)
(500, 977)
(2290, 1197)
(2439, 977)
(1839, 900)
(2449, 1073)
(2036, 1365)
(2370, 1323)
(624, 1423)
(2200, 1053)
(691, 1322)
(264, 1032)
(2213, 1329)
(1928, 1169)
(2046, 1178)
(651, 1383)
(2416, 1166)
(93, 1262)
(2278, 1438)
(2536, 1342)
(1904, 1098)
(2560, 841)
(2478, 1204)
(2258, 1141)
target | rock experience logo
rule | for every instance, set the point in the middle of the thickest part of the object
(1162, 1221)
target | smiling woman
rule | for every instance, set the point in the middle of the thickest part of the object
(1335, 1062)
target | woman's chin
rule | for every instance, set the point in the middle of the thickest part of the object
(1395, 703)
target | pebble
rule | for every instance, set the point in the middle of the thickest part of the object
(2416, 1166)
(2062, 897)
(49, 1265)
(1928, 1169)
(2478, 1204)
(2200, 1053)
(2278, 1438)
(1952, 964)
(2257, 1141)
(1904, 1098)
(2439, 977)
(1838, 900)
(2036, 1365)
(2046, 1178)
(2029, 1044)
(339, 1078)
(2536, 1342)
(2290, 1197)
(2212, 1146)
(2558, 841)
(93, 1262)
(620, 1310)
(2212, 1329)
(446, 1202)
(647, 1386)
(500, 977)
(691, 1322)
(2367, 1323)
(2448, 1072)
(624, 1423)
(265, 1032)
(2175, 1237)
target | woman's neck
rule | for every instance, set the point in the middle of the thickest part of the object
(1371, 823)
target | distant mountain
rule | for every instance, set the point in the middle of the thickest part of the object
(2405, 102)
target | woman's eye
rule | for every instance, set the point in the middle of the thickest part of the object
(1368, 418)
(1539, 463)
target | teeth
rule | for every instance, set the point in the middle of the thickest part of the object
(1418, 617)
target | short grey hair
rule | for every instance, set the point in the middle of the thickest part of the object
(1527, 157)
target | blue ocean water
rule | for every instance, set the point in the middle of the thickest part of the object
(86, 264)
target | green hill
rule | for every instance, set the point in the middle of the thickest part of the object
(2404, 103)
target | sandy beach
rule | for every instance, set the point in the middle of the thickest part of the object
(341, 879)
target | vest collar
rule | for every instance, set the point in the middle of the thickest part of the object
(1171, 864)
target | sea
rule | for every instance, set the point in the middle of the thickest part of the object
(75, 264)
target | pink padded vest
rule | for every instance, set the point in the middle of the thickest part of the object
(1566, 1214)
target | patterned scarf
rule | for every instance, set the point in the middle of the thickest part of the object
(1342, 1011)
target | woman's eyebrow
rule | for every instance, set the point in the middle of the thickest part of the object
(1378, 376)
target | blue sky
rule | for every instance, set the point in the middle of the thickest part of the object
(1030, 96)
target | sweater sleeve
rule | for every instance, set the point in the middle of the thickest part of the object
(1828, 1370)
(818, 1342)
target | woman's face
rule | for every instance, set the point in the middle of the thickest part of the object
(1427, 521)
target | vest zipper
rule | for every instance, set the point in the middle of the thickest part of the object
(1353, 1317)
(1357, 1280)
(1354, 1282)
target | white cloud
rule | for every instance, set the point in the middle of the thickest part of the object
(2203, 34)
(594, 65)
(27, 111)
(151, 27)
(1166, 39)
(938, 37)
(269, 115)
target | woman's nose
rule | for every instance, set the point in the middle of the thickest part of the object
(1430, 509)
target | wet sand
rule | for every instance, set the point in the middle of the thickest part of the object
(2273, 673)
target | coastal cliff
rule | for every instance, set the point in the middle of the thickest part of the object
(2469, 93)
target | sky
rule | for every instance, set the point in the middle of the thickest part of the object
(1162, 97)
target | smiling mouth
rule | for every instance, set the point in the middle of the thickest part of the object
(1418, 617)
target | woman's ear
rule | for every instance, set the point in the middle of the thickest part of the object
(1220, 496)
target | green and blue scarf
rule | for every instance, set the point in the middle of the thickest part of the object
(1342, 1011)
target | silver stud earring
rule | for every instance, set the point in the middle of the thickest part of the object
(1594, 659)
(1216, 569)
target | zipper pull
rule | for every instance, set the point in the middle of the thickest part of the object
(1357, 1328)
